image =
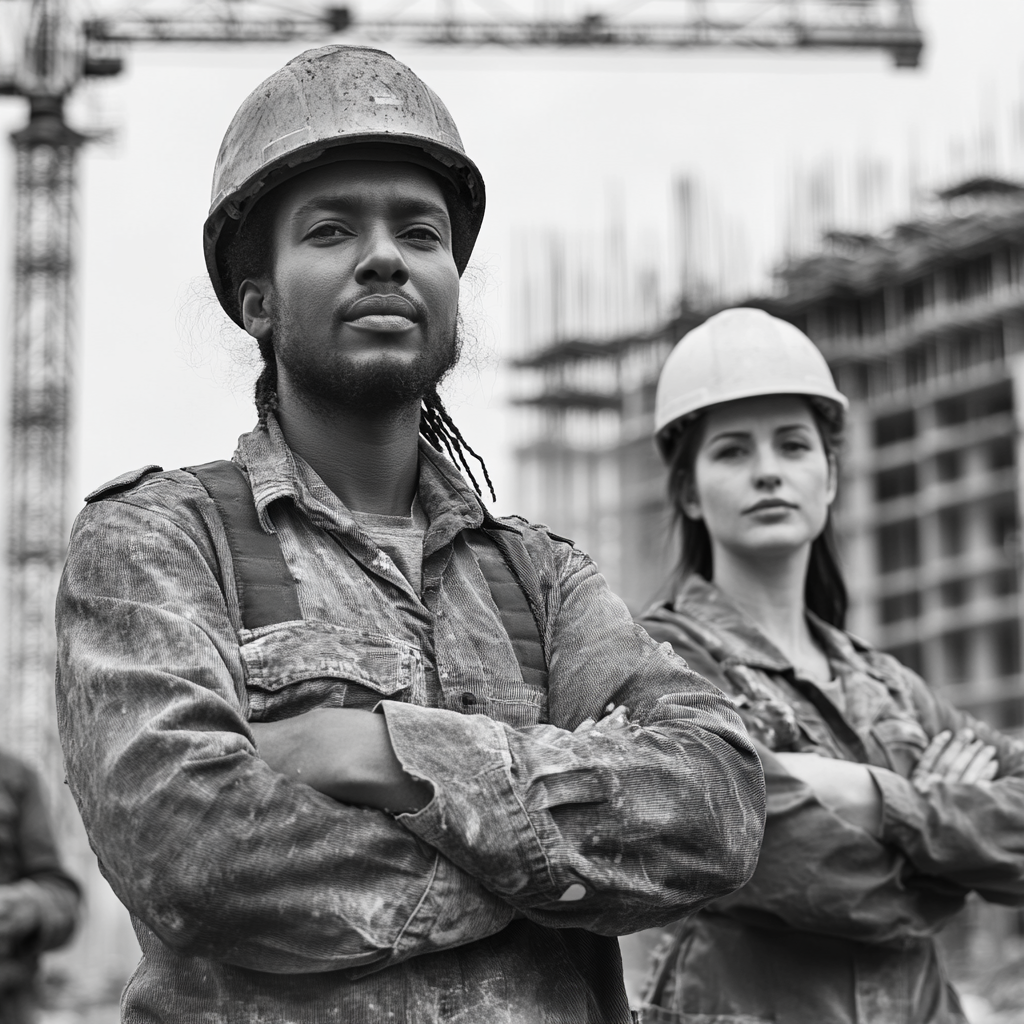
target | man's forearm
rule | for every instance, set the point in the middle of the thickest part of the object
(345, 754)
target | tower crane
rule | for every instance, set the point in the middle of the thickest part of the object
(58, 50)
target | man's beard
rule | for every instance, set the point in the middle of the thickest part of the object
(377, 385)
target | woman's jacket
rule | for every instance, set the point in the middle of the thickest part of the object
(836, 926)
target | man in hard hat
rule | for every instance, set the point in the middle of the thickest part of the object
(337, 733)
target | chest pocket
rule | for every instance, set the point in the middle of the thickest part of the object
(293, 667)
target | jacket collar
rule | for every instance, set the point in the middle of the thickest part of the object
(276, 472)
(740, 638)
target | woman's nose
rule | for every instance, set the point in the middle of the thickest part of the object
(766, 470)
(382, 261)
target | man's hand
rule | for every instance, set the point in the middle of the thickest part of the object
(845, 787)
(345, 754)
(955, 758)
(19, 913)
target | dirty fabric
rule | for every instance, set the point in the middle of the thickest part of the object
(400, 538)
(33, 888)
(256, 898)
(835, 925)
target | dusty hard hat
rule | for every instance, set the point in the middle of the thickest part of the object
(303, 115)
(740, 353)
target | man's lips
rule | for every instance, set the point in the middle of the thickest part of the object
(374, 307)
(382, 322)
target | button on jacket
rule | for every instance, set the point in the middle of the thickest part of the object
(256, 898)
(835, 925)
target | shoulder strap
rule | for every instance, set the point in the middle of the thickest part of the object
(512, 580)
(267, 593)
(266, 589)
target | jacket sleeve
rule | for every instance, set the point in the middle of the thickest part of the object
(817, 872)
(610, 832)
(972, 835)
(216, 853)
(47, 895)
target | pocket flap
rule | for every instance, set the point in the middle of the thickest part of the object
(287, 653)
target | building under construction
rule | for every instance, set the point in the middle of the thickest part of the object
(924, 330)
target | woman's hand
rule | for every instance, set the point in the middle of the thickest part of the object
(613, 717)
(845, 787)
(955, 758)
(345, 754)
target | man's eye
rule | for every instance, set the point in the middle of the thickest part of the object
(328, 231)
(421, 234)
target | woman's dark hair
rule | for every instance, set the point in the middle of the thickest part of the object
(824, 589)
(248, 253)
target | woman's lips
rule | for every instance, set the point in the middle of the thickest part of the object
(771, 506)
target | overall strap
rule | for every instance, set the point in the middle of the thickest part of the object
(515, 590)
(267, 593)
(266, 589)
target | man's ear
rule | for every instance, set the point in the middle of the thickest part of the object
(254, 302)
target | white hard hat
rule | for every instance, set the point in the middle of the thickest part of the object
(740, 353)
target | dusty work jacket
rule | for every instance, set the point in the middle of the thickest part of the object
(836, 926)
(255, 897)
(33, 883)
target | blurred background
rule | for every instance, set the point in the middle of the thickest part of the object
(855, 166)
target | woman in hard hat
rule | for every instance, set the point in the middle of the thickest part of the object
(886, 805)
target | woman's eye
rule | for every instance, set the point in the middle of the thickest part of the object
(732, 451)
(795, 446)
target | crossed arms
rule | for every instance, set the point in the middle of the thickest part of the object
(860, 852)
(224, 857)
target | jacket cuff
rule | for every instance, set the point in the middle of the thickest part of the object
(903, 808)
(477, 818)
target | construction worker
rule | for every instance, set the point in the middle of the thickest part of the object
(886, 805)
(38, 900)
(348, 747)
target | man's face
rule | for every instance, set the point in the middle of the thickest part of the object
(364, 291)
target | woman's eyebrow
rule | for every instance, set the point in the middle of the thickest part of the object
(727, 434)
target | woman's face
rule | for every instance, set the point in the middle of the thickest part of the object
(762, 481)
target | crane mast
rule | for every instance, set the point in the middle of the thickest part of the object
(41, 381)
(39, 418)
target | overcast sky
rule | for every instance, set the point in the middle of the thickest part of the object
(162, 375)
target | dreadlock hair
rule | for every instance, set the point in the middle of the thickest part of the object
(824, 588)
(248, 252)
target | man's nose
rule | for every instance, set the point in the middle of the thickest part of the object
(381, 261)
